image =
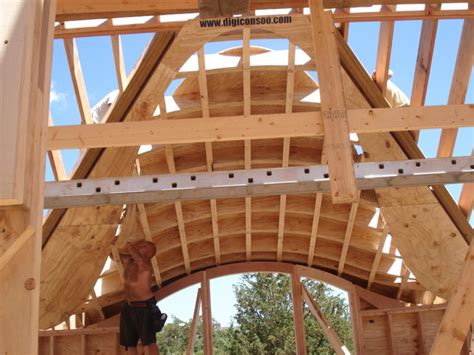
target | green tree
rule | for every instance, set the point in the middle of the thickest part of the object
(265, 316)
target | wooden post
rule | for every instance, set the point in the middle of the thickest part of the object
(192, 330)
(459, 313)
(26, 33)
(336, 129)
(206, 314)
(298, 320)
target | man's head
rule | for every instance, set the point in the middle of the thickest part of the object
(146, 249)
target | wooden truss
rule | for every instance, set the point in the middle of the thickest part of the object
(302, 229)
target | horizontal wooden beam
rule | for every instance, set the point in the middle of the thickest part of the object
(230, 128)
(107, 28)
(256, 182)
(85, 9)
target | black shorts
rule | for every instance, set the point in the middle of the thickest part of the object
(136, 322)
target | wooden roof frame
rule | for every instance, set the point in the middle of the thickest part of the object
(38, 28)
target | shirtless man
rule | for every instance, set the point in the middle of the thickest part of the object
(136, 318)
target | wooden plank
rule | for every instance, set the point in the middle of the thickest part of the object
(356, 3)
(193, 328)
(290, 85)
(119, 62)
(459, 313)
(347, 237)
(96, 303)
(325, 325)
(378, 256)
(459, 84)
(298, 318)
(314, 228)
(404, 274)
(420, 336)
(118, 261)
(343, 18)
(206, 314)
(423, 62)
(247, 143)
(70, 9)
(182, 236)
(248, 228)
(202, 78)
(466, 199)
(77, 77)
(56, 159)
(384, 51)
(338, 147)
(377, 300)
(26, 50)
(146, 230)
(390, 335)
(265, 126)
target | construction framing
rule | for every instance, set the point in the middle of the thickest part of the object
(244, 176)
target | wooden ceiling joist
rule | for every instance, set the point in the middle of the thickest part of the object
(267, 126)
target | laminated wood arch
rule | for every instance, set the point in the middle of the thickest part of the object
(83, 236)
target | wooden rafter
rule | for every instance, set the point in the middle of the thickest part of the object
(77, 77)
(347, 237)
(336, 138)
(119, 62)
(424, 58)
(404, 274)
(314, 228)
(378, 256)
(459, 84)
(142, 216)
(178, 206)
(290, 84)
(208, 147)
(384, 51)
(247, 143)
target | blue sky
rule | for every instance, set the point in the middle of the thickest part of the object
(99, 74)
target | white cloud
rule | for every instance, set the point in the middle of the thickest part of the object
(56, 96)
